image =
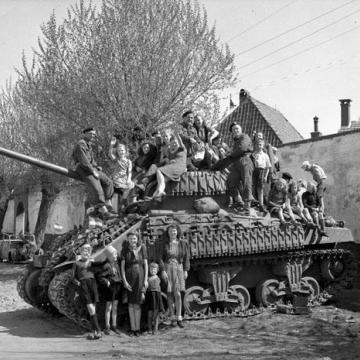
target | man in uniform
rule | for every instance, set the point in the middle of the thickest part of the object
(241, 169)
(89, 172)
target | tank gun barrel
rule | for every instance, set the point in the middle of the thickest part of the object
(39, 163)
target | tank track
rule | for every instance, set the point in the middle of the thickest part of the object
(35, 297)
(329, 289)
(62, 294)
(20, 286)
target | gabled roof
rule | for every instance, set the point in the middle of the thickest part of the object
(254, 115)
(278, 122)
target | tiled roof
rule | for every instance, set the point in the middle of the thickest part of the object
(353, 126)
(254, 115)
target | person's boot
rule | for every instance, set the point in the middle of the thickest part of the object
(247, 208)
(322, 228)
(106, 214)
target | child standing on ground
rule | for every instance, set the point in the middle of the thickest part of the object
(262, 167)
(153, 299)
(110, 281)
(85, 280)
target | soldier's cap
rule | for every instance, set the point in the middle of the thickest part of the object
(234, 124)
(88, 130)
(305, 164)
(186, 113)
(286, 176)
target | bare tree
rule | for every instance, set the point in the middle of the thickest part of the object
(128, 64)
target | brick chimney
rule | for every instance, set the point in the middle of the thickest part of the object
(345, 112)
(316, 133)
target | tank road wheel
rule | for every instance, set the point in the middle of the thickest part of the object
(241, 294)
(332, 269)
(314, 287)
(64, 296)
(192, 300)
(266, 292)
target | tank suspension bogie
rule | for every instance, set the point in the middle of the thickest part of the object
(332, 269)
(311, 284)
(270, 292)
(197, 300)
(239, 296)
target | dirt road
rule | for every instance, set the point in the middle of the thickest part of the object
(328, 333)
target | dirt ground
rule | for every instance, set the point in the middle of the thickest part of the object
(329, 333)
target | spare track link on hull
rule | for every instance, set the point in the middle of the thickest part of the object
(73, 242)
(59, 287)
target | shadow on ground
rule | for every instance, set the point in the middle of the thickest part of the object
(34, 323)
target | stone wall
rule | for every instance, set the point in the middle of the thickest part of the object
(339, 156)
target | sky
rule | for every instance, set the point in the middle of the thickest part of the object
(299, 56)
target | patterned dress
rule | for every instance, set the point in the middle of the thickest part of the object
(134, 272)
(174, 270)
(121, 174)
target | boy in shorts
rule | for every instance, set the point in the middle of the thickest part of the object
(85, 280)
(262, 167)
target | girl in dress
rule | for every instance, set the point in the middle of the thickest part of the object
(134, 272)
(175, 263)
(153, 299)
(123, 169)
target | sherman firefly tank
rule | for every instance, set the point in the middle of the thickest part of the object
(237, 262)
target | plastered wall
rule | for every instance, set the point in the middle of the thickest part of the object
(339, 156)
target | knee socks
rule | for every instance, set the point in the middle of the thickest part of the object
(94, 322)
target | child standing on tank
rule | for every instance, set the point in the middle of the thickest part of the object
(85, 280)
(261, 171)
(153, 299)
(110, 282)
(319, 177)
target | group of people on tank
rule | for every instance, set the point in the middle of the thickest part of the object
(253, 180)
(163, 157)
(127, 277)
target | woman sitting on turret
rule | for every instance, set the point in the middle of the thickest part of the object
(174, 166)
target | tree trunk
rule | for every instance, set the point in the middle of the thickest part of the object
(49, 192)
(4, 199)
